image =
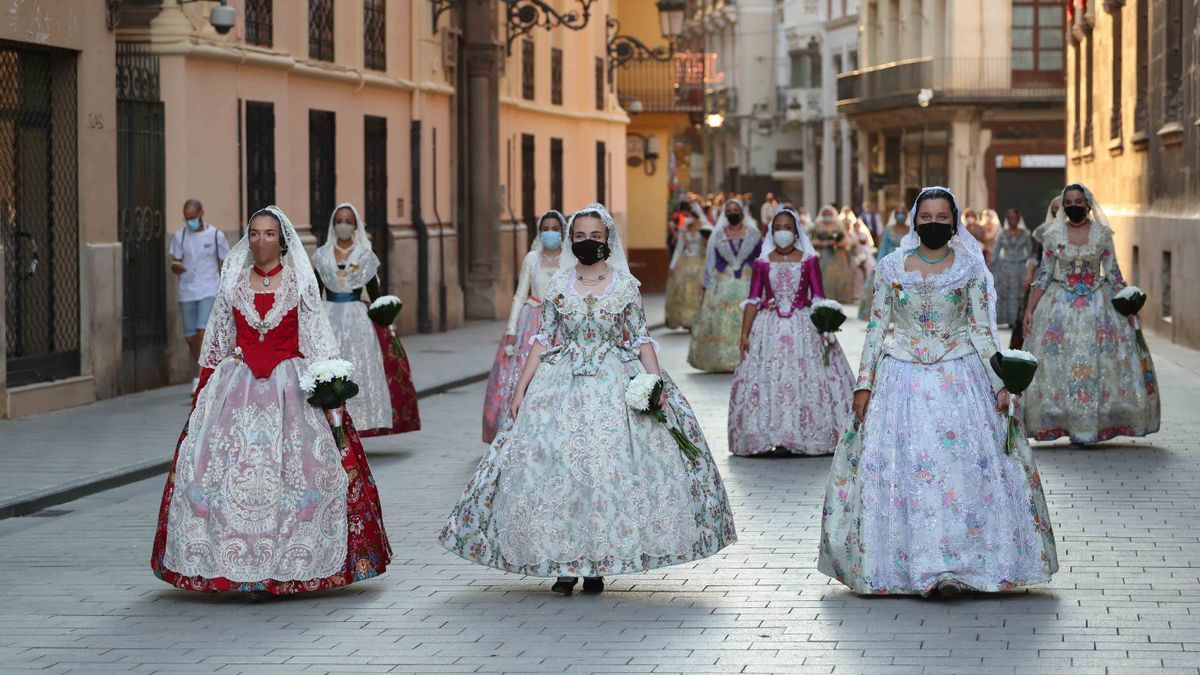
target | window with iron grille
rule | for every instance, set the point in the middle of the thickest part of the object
(260, 155)
(375, 198)
(1089, 71)
(599, 83)
(320, 30)
(1077, 90)
(259, 17)
(556, 76)
(1173, 57)
(1114, 118)
(1141, 114)
(375, 35)
(601, 172)
(528, 180)
(39, 222)
(322, 176)
(556, 173)
(527, 83)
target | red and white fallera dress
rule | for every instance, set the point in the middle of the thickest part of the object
(260, 497)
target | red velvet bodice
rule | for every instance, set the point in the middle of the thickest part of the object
(278, 345)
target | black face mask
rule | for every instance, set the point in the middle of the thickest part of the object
(589, 251)
(935, 235)
(1076, 214)
(733, 218)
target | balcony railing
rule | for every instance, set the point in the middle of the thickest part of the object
(660, 87)
(796, 104)
(950, 80)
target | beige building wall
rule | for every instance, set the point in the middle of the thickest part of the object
(80, 27)
(1123, 169)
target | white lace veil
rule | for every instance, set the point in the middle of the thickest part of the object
(362, 257)
(802, 241)
(749, 221)
(1050, 214)
(616, 250)
(1097, 213)
(316, 335)
(962, 243)
(536, 245)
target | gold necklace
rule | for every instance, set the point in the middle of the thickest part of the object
(590, 282)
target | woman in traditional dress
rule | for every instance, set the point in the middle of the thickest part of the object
(922, 497)
(785, 397)
(524, 321)
(1009, 264)
(832, 243)
(345, 266)
(260, 498)
(579, 484)
(889, 240)
(1095, 380)
(862, 249)
(717, 328)
(685, 285)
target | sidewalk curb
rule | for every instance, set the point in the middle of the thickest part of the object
(77, 489)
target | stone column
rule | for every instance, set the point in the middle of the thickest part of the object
(844, 190)
(828, 157)
(811, 199)
(480, 227)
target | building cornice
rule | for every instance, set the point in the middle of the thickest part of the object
(554, 111)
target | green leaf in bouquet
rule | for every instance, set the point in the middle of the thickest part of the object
(350, 391)
(827, 320)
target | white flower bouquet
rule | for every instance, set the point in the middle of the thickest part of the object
(383, 311)
(828, 316)
(642, 395)
(1016, 369)
(329, 386)
(1129, 302)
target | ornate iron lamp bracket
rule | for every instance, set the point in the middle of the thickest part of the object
(525, 15)
(625, 48)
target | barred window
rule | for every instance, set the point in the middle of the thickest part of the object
(259, 15)
(556, 173)
(322, 174)
(1114, 119)
(601, 172)
(527, 84)
(375, 35)
(320, 30)
(599, 83)
(556, 76)
(1141, 115)
(1173, 58)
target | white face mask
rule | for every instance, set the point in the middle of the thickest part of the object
(783, 238)
(343, 230)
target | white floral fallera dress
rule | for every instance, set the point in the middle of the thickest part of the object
(579, 484)
(923, 491)
(1094, 380)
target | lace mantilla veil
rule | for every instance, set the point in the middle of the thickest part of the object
(616, 258)
(297, 289)
(963, 244)
(802, 241)
(363, 256)
(1097, 213)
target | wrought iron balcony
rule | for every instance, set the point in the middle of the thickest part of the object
(798, 104)
(661, 86)
(949, 81)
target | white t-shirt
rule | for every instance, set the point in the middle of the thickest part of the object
(201, 253)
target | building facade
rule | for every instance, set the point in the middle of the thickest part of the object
(1133, 122)
(963, 93)
(58, 207)
(820, 41)
(447, 124)
(663, 95)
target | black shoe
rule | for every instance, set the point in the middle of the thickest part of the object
(950, 588)
(565, 585)
(593, 584)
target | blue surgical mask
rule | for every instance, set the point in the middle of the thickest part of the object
(551, 239)
(193, 224)
(901, 217)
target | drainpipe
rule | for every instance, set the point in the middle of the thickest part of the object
(424, 322)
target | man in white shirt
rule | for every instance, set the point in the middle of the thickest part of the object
(769, 208)
(197, 252)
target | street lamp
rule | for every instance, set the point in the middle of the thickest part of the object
(714, 120)
(625, 48)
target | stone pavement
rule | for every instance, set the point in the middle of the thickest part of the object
(70, 453)
(76, 593)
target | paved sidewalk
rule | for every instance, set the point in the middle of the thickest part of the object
(53, 458)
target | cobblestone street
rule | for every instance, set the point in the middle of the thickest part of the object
(77, 595)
